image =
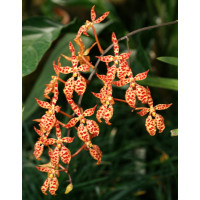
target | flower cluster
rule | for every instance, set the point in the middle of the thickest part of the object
(117, 68)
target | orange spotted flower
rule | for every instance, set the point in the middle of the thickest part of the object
(83, 29)
(106, 109)
(83, 129)
(51, 182)
(48, 119)
(123, 70)
(95, 151)
(76, 82)
(60, 150)
(153, 120)
(54, 82)
(134, 89)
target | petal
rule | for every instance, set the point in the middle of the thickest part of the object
(141, 76)
(68, 139)
(100, 19)
(84, 68)
(58, 131)
(162, 106)
(83, 133)
(74, 107)
(89, 111)
(72, 50)
(108, 114)
(47, 122)
(42, 169)
(82, 29)
(115, 44)
(65, 155)
(106, 58)
(38, 149)
(121, 82)
(92, 127)
(93, 14)
(50, 152)
(150, 100)
(80, 85)
(53, 186)
(98, 95)
(96, 153)
(103, 78)
(125, 56)
(160, 123)
(143, 112)
(141, 93)
(65, 70)
(50, 141)
(111, 73)
(101, 112)
(150, 125)
(55, 156)
(124, 70)
(43, 104)
(69, 87)
(45, 186)
(57, 108)
(109, 90)
(72, 122)
(39, 132)
(130, 97)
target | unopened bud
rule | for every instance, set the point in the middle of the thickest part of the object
(69, 188)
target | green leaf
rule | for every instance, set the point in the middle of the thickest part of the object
(174, 132)
(167, 83)
(169, 60)
(38, 33)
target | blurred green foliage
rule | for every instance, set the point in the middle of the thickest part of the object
(134, 164)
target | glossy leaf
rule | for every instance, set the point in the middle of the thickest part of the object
(169, 60)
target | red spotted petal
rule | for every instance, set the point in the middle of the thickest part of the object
(150, 125)
(45, 186)
(101, 112)
(106, 58)
(121, 82)
(53, 186)
(98, 95)
(39, 132)
(50, 153)
(93, 14)
(89, 111)
(92, 127)
(43, 104)
(96, 153)
(72, 122)
(72, 50)
(115, 44)
(58, 131)
(50, 141)
(141, 76)
(57, 108)
(74, 107)
(160, 123)
(102, 77)
(84, 68)
(83, 133)
(143, 112)
(50, 87)
(124, 70)
(80, 85)
(111, 73)
(57, 66)
(125, 56)
(65, 155)
(162, 106)
(68, 139)
(130, 97)
(81, 30)
(38, 149)
(65, 70)
(108, 114)
(141, 93)
(55, 156)
(100, 19)
(47, 122)
(109, 90)
(150, 100)
(43, 169)
(69, 87)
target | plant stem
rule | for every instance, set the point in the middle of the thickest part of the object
(69, 116)
(97, 40)
(77, 152)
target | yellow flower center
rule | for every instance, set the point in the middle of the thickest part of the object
(83, 121)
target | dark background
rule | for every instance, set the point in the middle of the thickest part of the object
(134, 164)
